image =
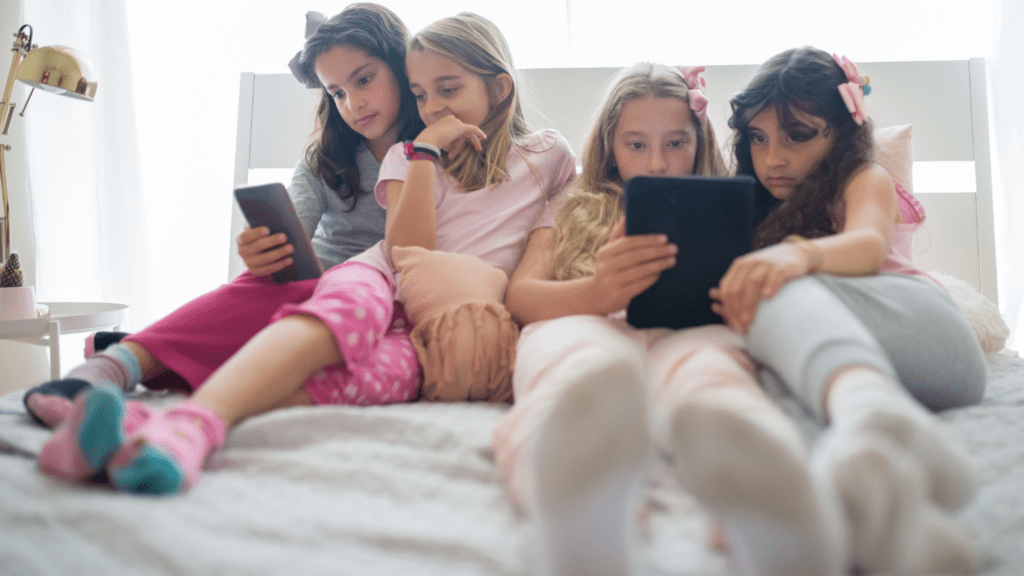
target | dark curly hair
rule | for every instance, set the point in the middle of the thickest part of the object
(801, 80)
(380, 33)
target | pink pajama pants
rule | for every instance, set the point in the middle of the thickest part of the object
(372, 331)
(197, 338)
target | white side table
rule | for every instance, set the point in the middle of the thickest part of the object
(64, 318)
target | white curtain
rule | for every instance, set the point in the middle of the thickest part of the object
(152, 233)
(1006, 80)
(83, 165)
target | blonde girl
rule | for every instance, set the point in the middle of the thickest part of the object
(474, 181)
(590, 390)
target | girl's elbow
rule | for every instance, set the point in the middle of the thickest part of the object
(403, 240)
(878, 249)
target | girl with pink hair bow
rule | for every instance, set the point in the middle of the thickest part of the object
(867, 343)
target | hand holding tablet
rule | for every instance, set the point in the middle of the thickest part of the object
(269, 205)
(710, 220)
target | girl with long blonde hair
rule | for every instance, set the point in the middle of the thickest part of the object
(592, 392)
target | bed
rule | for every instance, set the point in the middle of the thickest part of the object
(413, 488)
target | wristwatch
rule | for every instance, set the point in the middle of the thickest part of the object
(421, 151)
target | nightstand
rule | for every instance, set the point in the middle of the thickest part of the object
(64, 318)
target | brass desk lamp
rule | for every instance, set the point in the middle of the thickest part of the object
(56, 69)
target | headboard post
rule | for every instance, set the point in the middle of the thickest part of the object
(983, 174)
(243, 145)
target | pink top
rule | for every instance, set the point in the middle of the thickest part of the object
(492, 223)
(900, 259)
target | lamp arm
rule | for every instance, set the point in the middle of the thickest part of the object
(5, 222)
(22, 44)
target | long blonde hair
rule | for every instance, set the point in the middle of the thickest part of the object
(476, 43)
(595, 202)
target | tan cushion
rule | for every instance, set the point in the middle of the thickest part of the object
(464, 337)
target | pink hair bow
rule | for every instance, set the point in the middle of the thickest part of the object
(854, 90)
(698, 91)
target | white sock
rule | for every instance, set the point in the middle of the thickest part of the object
(892, 524)
(587, 474)
(866, 400)
(747, 463)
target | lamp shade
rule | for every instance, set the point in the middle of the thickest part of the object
(60, 70)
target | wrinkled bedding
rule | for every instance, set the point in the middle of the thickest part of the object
(401, 489)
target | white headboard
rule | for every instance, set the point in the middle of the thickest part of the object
(945, 101)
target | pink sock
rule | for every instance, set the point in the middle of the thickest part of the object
(54, 410)
(166, 454)
(51, 409)
(89, 437)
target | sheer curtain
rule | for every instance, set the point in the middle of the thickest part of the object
(83, 165)
(1007, 121)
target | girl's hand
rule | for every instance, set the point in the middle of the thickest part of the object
(626, 266)
(264, 254)
(754, 277)
(451, 135)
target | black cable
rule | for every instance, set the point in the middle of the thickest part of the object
(29, 26)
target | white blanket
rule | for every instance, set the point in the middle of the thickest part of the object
(394, 490)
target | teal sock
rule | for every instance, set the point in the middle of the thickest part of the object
(116, 365)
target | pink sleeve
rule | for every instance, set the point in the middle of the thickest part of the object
(549, 216)
(910, 208)
(394, 167)
(565, 173)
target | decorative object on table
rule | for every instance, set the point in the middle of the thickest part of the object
(10, 274)
(56, 69)
(17, 302)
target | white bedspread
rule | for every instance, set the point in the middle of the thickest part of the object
(404, 489)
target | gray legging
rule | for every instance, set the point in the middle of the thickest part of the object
(902, 325)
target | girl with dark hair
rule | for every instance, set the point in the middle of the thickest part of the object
(357, 60)
(329, 180)
(475, 182)
(832, 305)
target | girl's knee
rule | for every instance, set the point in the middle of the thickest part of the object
(708, 365)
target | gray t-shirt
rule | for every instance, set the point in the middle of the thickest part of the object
(339, 234)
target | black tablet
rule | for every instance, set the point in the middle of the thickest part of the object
(710, 220)
(269, 205)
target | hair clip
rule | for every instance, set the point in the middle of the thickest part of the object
(698, 91)
(857, 86)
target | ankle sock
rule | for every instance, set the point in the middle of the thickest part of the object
(166, 453)
(99, 341)
(746, 461)
(51, 403)
(893, 526)
(586, 473)
(87, 440)
(116, 365)
(868, 401)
